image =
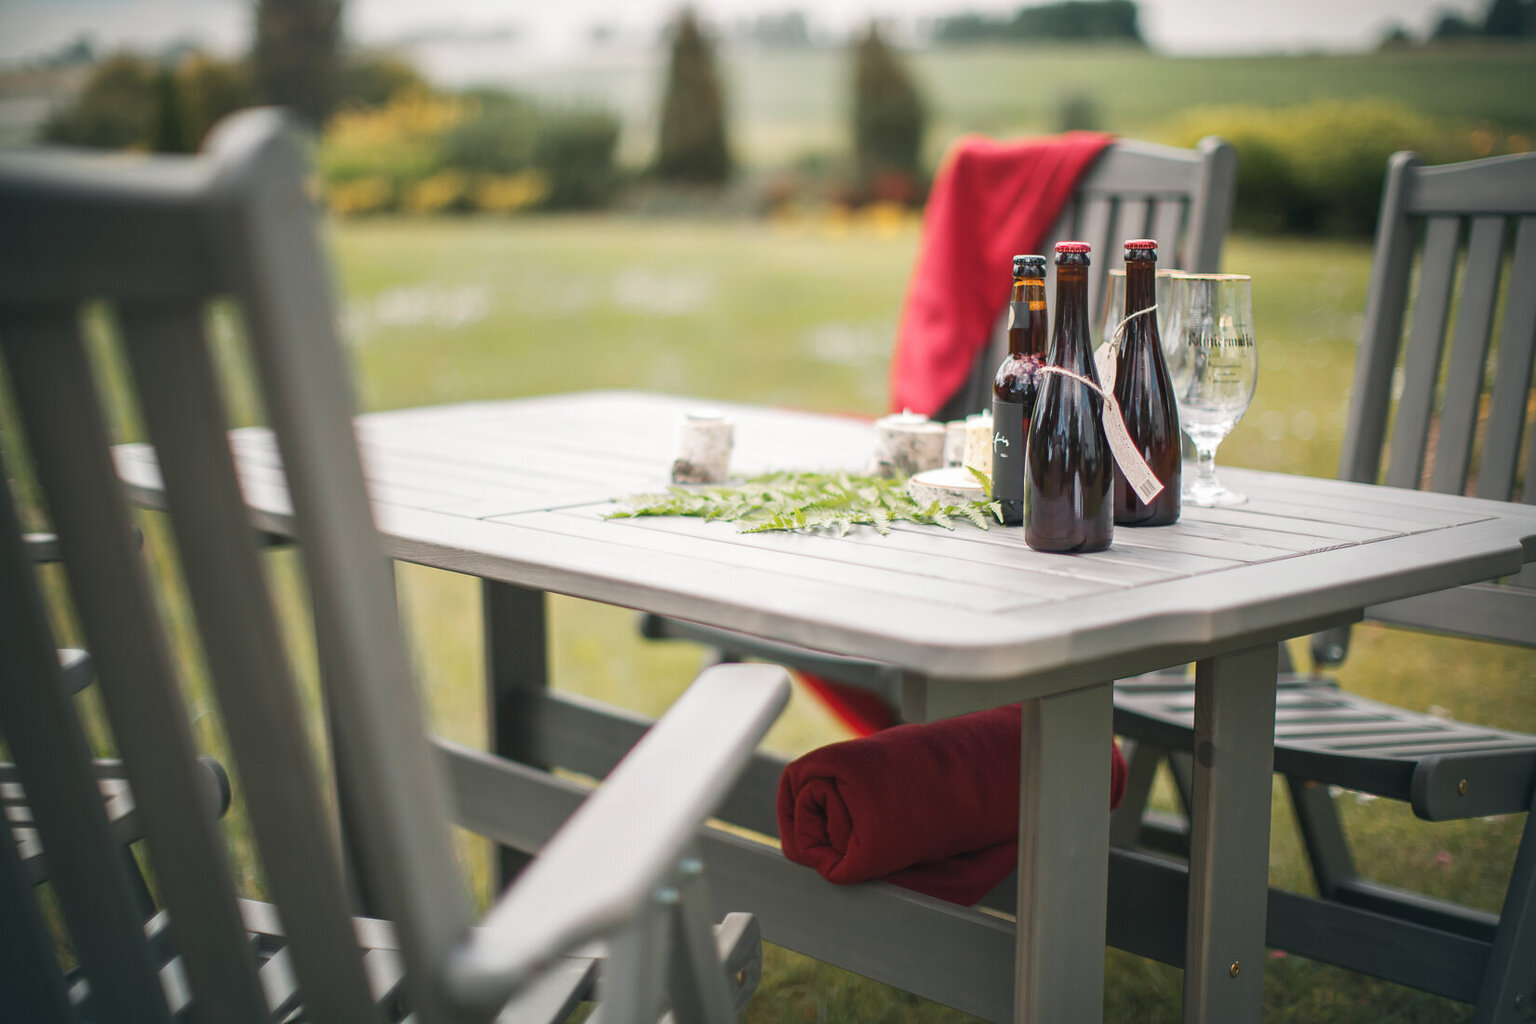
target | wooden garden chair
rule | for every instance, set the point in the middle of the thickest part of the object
(1455, 247)
(610, 908)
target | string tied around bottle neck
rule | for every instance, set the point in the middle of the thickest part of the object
(1118, 334)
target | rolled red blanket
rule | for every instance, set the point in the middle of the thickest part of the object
(932, 807)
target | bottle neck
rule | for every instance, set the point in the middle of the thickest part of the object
(1140, 293)
(1069, 343)
(1027, 317)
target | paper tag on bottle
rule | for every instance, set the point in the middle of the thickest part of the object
(1132, 466)
(1106, 362)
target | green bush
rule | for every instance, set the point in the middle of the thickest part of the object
(575, 154)
(499, 136)
(1318, 168)
(114, 110)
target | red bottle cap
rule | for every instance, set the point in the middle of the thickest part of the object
(1073, 247)
(1141, 243)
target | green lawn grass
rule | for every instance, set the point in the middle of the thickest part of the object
(803, 314)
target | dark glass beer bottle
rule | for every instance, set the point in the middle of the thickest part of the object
(1145, 393)
(1016, 384)
(1068, 469)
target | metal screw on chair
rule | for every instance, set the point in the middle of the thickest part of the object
(741, 978)
(1236, 968)
(667, 896)
(1461, 787)
(690, 867)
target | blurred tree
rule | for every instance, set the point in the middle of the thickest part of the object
(295, 57)
(1510, 19)
(1078, 112)
(114, 109)
(170, 129)
(1396, 38)
(1098, 20)
(692, 142)
(888, 122)
(1452, 26)
(211, 89)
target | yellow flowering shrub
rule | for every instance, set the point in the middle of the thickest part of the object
(360, 195)
(508, 193)
(398, 141)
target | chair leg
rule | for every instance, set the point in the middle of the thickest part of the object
(1508, 995)
(516, 660)
(696, 979)
(1322, 834)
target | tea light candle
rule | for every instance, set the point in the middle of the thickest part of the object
(704, 448)
(906, 443)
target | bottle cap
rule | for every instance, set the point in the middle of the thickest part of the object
(1141, 243)
(1073, 247)
(1024, 265)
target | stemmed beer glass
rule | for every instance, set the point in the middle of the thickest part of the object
(1215, 365)
(1113, 307)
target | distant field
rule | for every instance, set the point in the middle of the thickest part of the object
(792, 104)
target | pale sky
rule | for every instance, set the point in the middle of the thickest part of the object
(31, 27)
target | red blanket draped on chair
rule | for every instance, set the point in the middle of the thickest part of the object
(990, 200)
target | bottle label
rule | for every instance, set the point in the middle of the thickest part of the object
(1132, 466)
(1018, 312)
(1008, 459)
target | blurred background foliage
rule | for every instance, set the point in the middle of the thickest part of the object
(787, 126)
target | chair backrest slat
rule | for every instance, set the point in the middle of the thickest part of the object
(174, 372)
(1131, 219)
(1426, 341)
(1167, 222)
(56, 394)
(1386, 301)
(1469, 353)
(1512, 381)
(53, 760)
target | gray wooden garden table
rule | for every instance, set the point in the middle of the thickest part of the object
(516, 492)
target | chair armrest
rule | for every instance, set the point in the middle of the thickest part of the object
(648, 811)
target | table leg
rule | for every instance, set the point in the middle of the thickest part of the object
(1063, 856)
(516, 661)
(1229, 836)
